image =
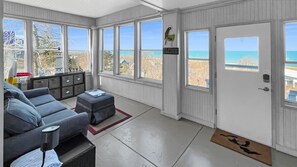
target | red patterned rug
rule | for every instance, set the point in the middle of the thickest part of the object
(117, 118)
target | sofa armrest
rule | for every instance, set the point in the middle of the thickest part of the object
(16, 146)
(36, 92)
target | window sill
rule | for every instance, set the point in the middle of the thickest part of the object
(129, 79)
(290, 105)
(197, 88)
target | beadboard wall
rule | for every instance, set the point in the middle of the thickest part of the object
(136, 90)
(200, 106)
(35, 13)
(130, 14)
(1, 85)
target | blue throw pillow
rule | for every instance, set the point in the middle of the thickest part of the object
(17, 93)
(20, 117)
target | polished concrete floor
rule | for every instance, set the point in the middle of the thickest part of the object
(150, 139)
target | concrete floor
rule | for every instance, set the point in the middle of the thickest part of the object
(150, 139)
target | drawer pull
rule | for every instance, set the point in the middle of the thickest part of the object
(67, 92)
(40, 81)
(78, 79)
(67, 80)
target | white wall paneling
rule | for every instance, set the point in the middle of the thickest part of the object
(94, 57)
(171, 69)
(149, 95)
(131, 14)
(200, 106)
(35, 13)
(1, 85)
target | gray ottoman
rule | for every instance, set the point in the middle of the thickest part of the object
(98, 108)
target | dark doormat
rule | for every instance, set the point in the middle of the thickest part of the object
(243, 146)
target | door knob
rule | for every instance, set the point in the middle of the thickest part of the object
(266, 89)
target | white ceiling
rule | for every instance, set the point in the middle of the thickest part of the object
(98, 8)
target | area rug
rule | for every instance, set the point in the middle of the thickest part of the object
(118, 117)
(243, 146)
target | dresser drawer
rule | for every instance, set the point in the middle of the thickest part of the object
(78, 78)
(40, 83)
(54, 82)
(67, 91)
(79, 89)
(56, 93)
(67, 80)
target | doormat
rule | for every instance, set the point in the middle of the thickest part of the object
(117, 118)
(243, 146)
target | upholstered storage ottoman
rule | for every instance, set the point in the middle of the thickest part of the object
(98, 108)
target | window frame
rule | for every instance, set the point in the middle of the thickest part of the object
(186, 62)
(101, 51)
(62, 48)
(118, 40)
(284, 101)
(89, 46)
(25, 40)
(139, 51)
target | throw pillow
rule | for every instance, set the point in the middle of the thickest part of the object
(17, 93)
(20, 117)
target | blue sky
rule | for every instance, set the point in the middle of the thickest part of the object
(291, 36)
(78, 38)
(127, 37)
(242, 44)
(14, 25)
(198, 41)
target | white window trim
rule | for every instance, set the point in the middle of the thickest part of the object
(26, 64)
(286, 103)
(89, 45)
(137, 54)
(139, 77)
(101, 50)
(195, 87)
(119, 50)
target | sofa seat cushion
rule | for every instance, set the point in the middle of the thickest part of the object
(17, 93)
(50, 108)
(40, 100)
(20, 117)
(58, 116)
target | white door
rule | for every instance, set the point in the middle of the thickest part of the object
(244, 81)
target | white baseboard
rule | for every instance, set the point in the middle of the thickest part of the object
(286, 150)
(176, 117)
(198, 120)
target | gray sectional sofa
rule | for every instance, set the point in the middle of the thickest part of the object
(52, 113)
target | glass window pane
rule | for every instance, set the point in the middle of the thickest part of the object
(47, 55)
(198, 58)
(291, 41)
(198, 73)
(242, 54)
(108, 46)
(127, 50)
(78, 49)
(151, 49)
(198, 45)
(13, 44)
(291, 82)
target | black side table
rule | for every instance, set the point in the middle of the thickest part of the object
(77, 152)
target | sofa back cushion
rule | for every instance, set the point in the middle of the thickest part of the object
(17, 93)
(19, 117)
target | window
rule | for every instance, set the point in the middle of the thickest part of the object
(14, 44)
(151, 49)
(290, 62)
(47, 55)
(78, 49)
(197, 59)
(242, 54)
(126, 49)
(108, 49)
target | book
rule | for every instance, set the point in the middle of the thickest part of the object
(95, 92)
